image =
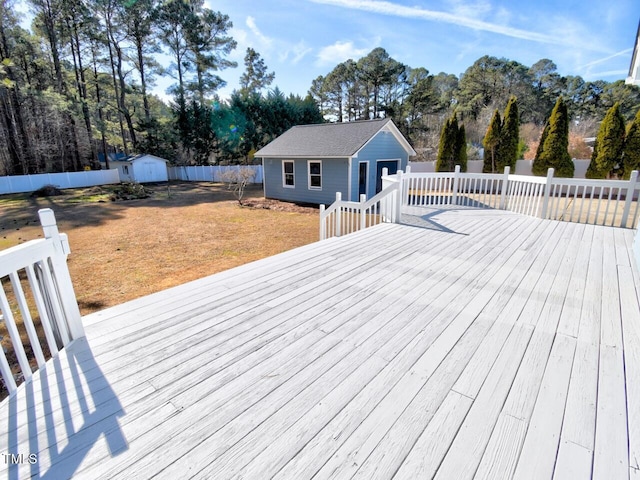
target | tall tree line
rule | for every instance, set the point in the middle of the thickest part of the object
(75, 88)
(420, 102)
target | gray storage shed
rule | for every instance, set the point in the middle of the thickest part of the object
(310, 163)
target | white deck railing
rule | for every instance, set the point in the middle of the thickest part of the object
(599, 202)
(36, 297)
(344, 217)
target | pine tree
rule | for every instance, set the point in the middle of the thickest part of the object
(256, 77)
(509, 137)
(606, 159)
(553, 149)
(631, 151)
(490, 143)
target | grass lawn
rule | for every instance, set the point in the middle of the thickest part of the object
(126, 249)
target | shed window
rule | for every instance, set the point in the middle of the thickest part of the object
(315, 175)
(288, 180)
(125, 169)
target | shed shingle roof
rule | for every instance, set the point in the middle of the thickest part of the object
(323, 140)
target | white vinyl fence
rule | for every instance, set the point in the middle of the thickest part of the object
(210, 173)
(523, 167)
(31, 183)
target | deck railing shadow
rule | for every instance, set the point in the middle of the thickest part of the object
(44, 408)
(47, 409)
(427, 221)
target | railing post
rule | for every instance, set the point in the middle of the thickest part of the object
(547, 193)
(61, 273)
(454, 189)
(323, 222)
(338, 231)
(399, 197)
(633, 180)
(504, 188)
(363, 216)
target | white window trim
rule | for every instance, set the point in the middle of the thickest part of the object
(309, 162)
(284, 183)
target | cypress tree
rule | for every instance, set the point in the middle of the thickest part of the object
(509, 137)
(490, 142)
(538, 168)
(606, 159)
(461, 149)
(553, 149)
(447, 148)
(631, 151)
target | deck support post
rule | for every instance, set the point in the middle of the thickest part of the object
(338, 231)
(633, 180)
(323, 228)
(399, 197)
(454, 189)
(363, 215)
(61, 272)
(547, 193)
(504, 187)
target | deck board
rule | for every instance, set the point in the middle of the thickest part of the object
(466, 344)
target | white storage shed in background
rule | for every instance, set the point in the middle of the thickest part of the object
(143, 168)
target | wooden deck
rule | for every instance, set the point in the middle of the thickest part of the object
(473, 344)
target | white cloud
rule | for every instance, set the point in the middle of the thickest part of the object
(265, 42)
(463, 20)
(606, 59)
(339, 52)
(295, 52)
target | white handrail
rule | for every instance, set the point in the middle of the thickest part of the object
(601, 202)
(344, 217)
(40, 267)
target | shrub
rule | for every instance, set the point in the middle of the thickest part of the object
(237, 180)
(129, 191)
(47, 191)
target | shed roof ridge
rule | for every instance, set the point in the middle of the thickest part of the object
(333, 124)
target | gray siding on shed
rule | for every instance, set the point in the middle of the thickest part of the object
(334, 179)
(383, 146)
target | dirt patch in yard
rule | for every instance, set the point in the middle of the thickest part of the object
(121, 250)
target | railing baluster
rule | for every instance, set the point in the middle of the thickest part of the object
(26, 318)
(45, 321)
(14, 334)
(615, 211)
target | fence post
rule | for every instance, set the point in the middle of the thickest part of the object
(61, 273)
(633, 180)
(454, 189)
(504, 187)
(547, 193)
(363, 216)
(399, 197)
(338, 231)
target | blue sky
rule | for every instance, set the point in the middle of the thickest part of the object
(301, 39)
